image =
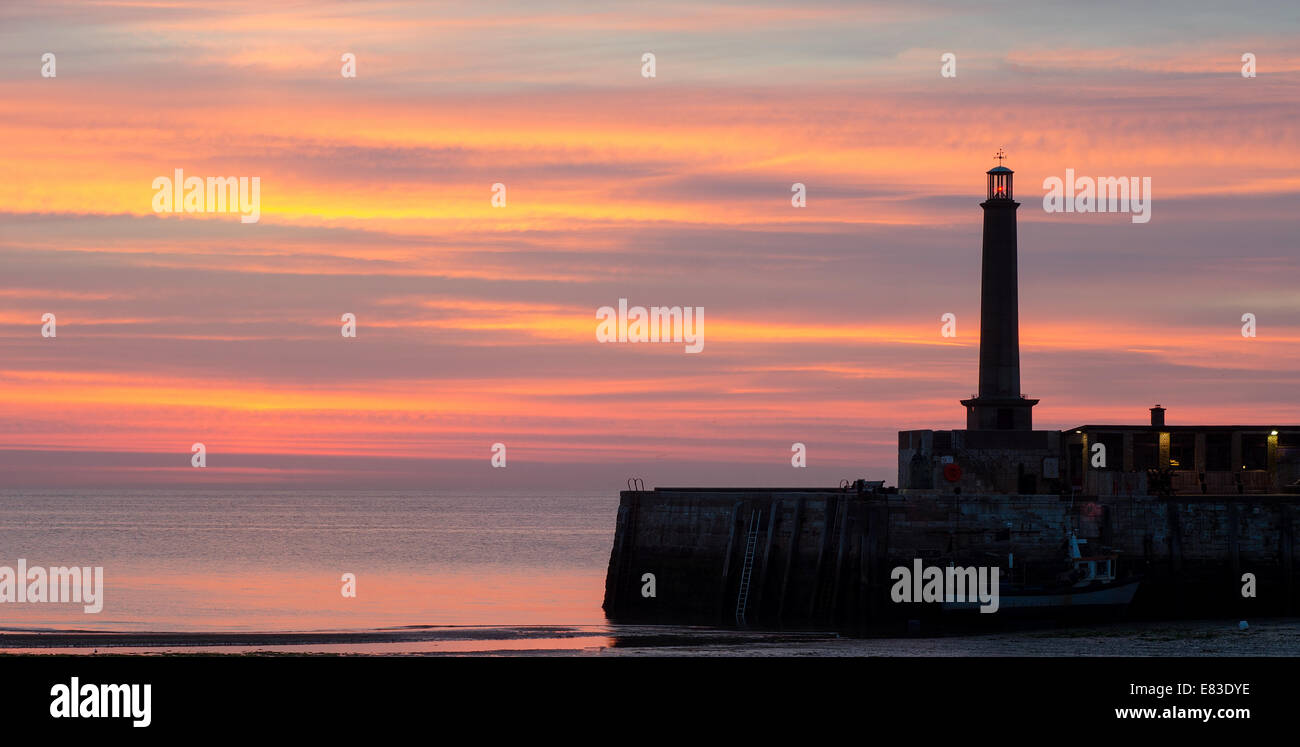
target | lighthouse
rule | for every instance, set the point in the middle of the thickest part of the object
(999, 404)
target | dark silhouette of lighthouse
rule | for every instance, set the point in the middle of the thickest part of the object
(999, 405)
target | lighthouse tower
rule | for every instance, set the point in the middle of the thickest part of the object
(999, 405)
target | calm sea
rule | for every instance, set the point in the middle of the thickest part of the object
(272, 561)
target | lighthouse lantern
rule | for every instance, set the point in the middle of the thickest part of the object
(1000, 179)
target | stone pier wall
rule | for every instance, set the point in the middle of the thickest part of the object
(823, 557)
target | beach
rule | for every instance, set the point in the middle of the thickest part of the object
(1218, 638)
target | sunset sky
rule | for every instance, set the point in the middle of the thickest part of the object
(476, 324)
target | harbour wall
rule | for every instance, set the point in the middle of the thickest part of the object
(823, 557)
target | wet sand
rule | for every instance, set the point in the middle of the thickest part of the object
(1269, 637)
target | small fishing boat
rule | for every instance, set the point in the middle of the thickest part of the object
(1089, 583)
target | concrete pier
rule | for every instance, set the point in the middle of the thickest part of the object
(823, 557)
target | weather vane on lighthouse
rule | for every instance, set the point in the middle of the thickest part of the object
(1000, 156)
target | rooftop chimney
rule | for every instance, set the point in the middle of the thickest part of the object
(1158, 416)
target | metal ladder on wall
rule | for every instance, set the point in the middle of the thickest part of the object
(747, 568)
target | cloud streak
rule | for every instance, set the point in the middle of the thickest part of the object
(476, 324)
